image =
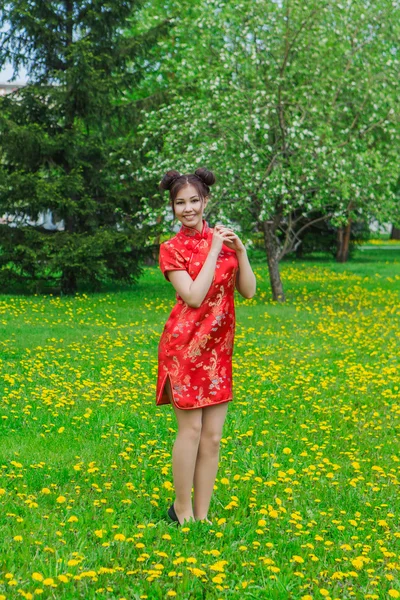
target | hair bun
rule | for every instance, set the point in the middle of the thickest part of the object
(168, 179)
(205, 175)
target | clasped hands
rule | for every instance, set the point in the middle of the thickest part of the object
(233, 242)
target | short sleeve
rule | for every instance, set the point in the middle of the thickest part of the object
(170, 259)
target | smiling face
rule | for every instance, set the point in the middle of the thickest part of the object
(189, 207)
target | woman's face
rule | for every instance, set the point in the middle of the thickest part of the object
(189, 207)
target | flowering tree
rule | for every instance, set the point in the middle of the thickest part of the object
(292, 104)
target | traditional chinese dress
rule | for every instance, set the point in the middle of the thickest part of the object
(196, 345)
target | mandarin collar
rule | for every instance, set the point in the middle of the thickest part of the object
(194, 233)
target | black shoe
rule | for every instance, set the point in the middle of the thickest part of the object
(172, 514)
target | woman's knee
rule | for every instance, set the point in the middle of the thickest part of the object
(210, 441)
(191, 431)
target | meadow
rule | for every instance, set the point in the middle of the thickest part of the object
(306, 501)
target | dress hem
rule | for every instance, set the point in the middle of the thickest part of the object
(194, 407)
(158, 403)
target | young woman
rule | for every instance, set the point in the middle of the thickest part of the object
(195, 350)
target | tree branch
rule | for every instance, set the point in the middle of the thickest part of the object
(289, 244)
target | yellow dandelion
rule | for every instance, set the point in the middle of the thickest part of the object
(61, 499)
(394, 593)
(382, 523)
(197, 572)
(37, 576)
(287, 451)
(298, 559)
(345, 547)
(357, 563)
(219, 565)
(99, 532)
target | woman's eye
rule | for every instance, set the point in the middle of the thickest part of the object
(180, 202)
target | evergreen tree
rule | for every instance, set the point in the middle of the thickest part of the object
(63, 142)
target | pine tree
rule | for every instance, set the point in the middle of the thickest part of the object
(65, 138)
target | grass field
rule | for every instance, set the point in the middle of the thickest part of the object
(306, 502)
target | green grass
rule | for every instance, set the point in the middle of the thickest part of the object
(306, 498)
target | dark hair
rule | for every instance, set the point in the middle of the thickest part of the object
(201, 179)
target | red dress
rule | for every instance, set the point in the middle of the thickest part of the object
(196, 345)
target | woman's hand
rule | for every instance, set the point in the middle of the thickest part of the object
(231, 239)
(221, 235)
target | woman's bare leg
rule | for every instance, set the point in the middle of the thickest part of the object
(207, 458)
(184, 455)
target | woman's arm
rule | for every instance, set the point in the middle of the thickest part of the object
(245, 279)
(194, 292)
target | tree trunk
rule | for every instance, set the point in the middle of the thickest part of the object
(68, 281)
(395, 233)
(68, 277)
(299, 250)
(157, 243)
(69, 284)
(343, 242)
(272, 251)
